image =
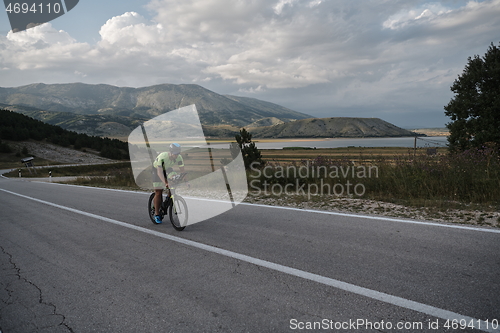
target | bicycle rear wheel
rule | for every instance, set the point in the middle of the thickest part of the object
(151, 208)
(178, 213)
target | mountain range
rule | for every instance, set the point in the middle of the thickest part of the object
(106, 110)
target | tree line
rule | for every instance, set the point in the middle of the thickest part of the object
(18, 127)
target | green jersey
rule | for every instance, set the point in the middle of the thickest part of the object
(164, 160)
(167, 162)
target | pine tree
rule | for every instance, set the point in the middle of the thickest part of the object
(475, 108)
(251, 155)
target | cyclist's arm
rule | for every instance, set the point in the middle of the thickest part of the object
(183, 170)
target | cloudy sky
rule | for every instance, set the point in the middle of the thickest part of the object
(391, 59)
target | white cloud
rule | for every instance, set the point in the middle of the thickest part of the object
(40, 34)
(278, 8)
(437, 19)
(130, 29)
(252, 90)
(355, 52)
(412, 16)
(78, 73)
(39, 47)
(314, 3)
(259, 43)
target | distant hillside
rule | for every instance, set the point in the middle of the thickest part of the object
(272, 110)
(439, 131)
(95, 125)
(338, 127)
(18, 127)
(145, 103)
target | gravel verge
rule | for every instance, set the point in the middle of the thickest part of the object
(483, 218)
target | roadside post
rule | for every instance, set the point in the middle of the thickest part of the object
(415, 147)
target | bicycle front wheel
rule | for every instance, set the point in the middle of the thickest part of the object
(178, 213)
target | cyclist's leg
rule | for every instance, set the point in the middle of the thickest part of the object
(157, 201)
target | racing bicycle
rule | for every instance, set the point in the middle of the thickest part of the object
(174, 205)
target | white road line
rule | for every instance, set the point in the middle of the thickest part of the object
(369, 217)
(380, 296)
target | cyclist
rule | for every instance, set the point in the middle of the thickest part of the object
(164, 164)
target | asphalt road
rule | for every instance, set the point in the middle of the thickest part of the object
(76, 259)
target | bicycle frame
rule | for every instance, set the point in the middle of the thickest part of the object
(169, 197)
(170, 191)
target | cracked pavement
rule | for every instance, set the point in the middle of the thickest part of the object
(22, 308)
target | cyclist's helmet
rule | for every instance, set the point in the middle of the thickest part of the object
(175, 148)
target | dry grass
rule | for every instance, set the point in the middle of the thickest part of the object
(362, 154)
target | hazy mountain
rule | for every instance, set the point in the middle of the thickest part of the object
(146, 102)
(106, 110)
(332, 128)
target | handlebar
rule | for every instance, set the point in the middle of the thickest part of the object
(178, 178)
